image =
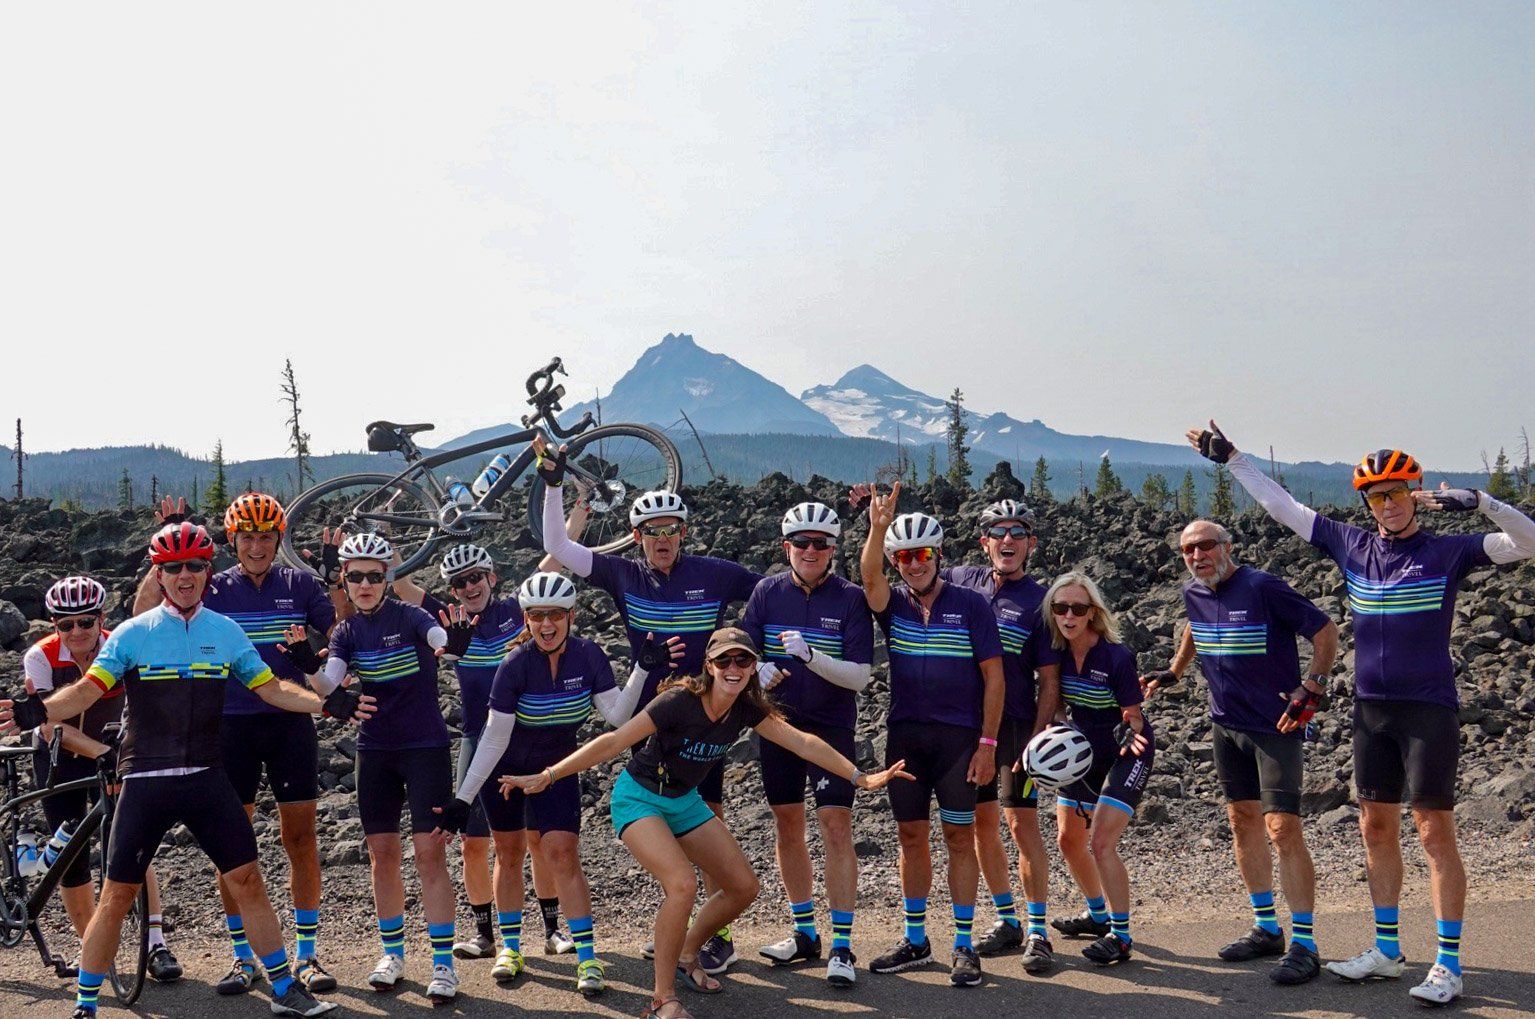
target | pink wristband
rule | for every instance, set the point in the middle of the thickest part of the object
(987, 741)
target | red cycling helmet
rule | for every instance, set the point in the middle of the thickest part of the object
(176, 543)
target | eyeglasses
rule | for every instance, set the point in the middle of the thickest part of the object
(741, 659)
(907, 556)
(1202, 545)
(540, 615)
(1078, 609)
(464, 580)
(256, 525)
(819, 544)
(1379, 499)
(662, 531)
(191, 566)
(359, 577)
(67, 625)
(1015, 531)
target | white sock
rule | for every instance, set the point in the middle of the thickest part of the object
(156, 937)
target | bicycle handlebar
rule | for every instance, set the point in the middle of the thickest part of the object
(546, 376)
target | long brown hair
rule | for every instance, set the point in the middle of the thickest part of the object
(702, 683)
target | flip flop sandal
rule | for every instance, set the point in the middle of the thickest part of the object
(685, 974)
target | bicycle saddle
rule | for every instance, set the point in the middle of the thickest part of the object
(402, 429)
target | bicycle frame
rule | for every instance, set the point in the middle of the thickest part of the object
(79, 842)
(480, 511)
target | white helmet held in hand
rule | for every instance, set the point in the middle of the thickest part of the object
(651, 505)
(1058, 756)
(547, 591)
(811, 516)
(913, 530)
(461, 558)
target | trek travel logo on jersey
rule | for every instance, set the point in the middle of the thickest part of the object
(393, 640)
(697, 594)
(952, 619)
(573, 682)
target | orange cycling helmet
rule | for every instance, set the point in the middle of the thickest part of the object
(1386, 465)
(254, 511)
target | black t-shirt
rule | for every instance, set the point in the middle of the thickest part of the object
(686, 743)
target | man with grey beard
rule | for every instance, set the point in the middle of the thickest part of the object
(1242, 626)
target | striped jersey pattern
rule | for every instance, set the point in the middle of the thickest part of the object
(193, 670)
(487, 652)
(1084, 693)
(1393, 598)
(932, 641)
(1014, 637)
(1230, 638)
(546, 710)
(384, 666)
(826, 642)
(662, 618)
(266, 628)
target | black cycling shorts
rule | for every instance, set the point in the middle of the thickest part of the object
(283, 746)
(388, 779)
(204, 801)
(70, 806)
(557, 808)
(785, 773)
(1266, 766)
(1115, 780)
(712, 788)
(1406, 746)
(1015, 790)
(478, 827)
(939, 756)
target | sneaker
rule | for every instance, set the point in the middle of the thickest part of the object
(1081, 926)
(443, 987)
(297, 1000)
(903, 956)
(798, 947)
(558, 944)
(1003, 937)
(839, 968)
(387, 973)
(589, 977)
(649, 951)
(163, 967)
(1370, 964)
(717, 954)
(966, 968)
(1255, 944)
(1440, 987)
(1107, 951)
(1038, 955)
(312, 975)
(477, 947)
(1299, 965)
(242, 976)
(81, 1012)
(509, 966)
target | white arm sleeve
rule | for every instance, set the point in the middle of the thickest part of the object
(617, 706)
(330, 677)
(1517, 539)
(852, 676)
(1270, 494)
(487, 753)
(576, 557)
(34, 666)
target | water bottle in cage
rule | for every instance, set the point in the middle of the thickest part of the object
(459, 492)
(56, 844)
(29, 862)
(491, 474)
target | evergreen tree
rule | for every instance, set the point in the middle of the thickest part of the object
(216, 499)
(1500, 484)
(1222, 504)
(1155, 493)
(298, 439)
(1107, 482)
(192, 503)
(932, 465)
(125, 491)
(1188, 496)
(1039, 484)
(154, 490)
(959, 452)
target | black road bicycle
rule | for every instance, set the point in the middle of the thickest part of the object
(23, 899)
(608, 464)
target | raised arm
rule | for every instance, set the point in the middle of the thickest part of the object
(1268, 493)
(1516, 540)
(871, 563)
(575, 526)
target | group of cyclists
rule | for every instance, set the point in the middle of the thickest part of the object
(1000, 686)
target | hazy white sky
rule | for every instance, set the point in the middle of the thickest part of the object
(1315, 220)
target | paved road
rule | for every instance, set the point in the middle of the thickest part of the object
(1173, 976)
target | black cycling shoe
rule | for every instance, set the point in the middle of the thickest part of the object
(242, 976)
(799, 947)
(1299, 965)
(966, 968)
(1003, 937)
(1107, 951)
(81, 1012)
(1038, 955)
(903, 956)
(1081, 926)
(163, 967)
(1255, 944)
(296, 1001)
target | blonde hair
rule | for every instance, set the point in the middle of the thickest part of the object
(1102, 621)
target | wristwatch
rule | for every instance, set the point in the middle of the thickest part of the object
(856, 776)
(1318, 680)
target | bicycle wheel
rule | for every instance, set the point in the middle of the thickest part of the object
(629, 459)
(362, 502)
(128, 967)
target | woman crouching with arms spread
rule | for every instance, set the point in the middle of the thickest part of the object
(659, 815)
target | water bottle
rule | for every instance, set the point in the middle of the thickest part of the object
(459, 493)
(56, 844)
(28, 862)
(491, 474)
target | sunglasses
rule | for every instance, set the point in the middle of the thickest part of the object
(359, 577)
(819, 544)
(464, 580)
(256, 525)
(1015, 531)
(741, 659)
(540, 615)
(907, 556)
(662, 531)
(1379, 499)
(67, 625)
(191, 566)
(1078, 609)
(1202, 545)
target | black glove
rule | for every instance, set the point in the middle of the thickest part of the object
(551, 467)
(304, 657)
(1457, 500)
(107, 761)
(454, 816)
(174, 518)
(29, 712)
(459, 634)
(342, 703)
(1124, 735)
(1163, 678)
(654, 654)
(1304, 703)
(1214, 446)
(330, 563)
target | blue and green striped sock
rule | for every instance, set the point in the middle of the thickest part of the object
(1449, 945)
(1097, 909)
(511, 929)
(1301, 931)
(237, 937)
(964, 920)
(1264, 917)
(916, 921)
(391, 931)
(1387, 932)
(804, 917)
(1119, 925)
(1007, 911)
(841, 928)
(276, 966)
(306, 928)
(441, 937)
(1037, 914)
(581, 934)
(88, 990)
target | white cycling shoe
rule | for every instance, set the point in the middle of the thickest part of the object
(443, 986)
(1440, 987)
(1371, 964)
(387, 973)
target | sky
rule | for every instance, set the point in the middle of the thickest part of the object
(1314, 221)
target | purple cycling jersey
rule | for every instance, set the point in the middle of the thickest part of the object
(388, 652)
(935, 671)
(834, 619)
(286, 597)
(1095, 690)
(550, 705)
(1025, 638)
(499, 625)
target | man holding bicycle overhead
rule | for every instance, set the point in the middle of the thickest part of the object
(664, 592)
(172, 664)
(75, 606)
(1402, 582)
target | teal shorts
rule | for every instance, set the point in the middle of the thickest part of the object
(632, 801)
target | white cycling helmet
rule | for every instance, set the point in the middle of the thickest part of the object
(367, 545)
(547, 591)
(811, 516)
(651, 505)
(1007, 509)
(465, 557)
(75, 596)
(1058, 756)
(913, 530)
